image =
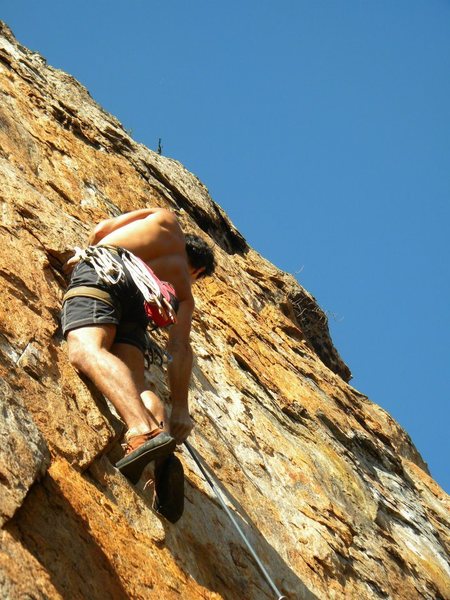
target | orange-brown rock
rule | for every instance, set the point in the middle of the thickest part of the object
(329, 490)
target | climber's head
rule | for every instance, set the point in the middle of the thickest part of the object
(200, 256)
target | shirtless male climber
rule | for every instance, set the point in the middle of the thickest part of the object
(105, 325)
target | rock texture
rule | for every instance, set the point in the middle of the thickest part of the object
(328, 488)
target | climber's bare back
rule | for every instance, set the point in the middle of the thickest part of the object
(158, 240)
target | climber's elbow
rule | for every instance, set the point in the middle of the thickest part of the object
(98, 233)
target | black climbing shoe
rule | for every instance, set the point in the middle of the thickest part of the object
(168, 500)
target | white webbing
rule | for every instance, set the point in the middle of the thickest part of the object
(111, 271)
(142, 278)
(148, 286)
(107, 268)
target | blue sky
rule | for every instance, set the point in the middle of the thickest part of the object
(323, 130)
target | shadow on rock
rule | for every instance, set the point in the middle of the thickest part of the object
(207, 545)
(47, 526)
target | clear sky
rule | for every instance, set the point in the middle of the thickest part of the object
(323, 130)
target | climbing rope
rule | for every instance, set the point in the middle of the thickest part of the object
(107, 268)
(148, 287)
(154, 291)
(235, 523)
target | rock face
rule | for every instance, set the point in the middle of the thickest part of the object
(329, 490)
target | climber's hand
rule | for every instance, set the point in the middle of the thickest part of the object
(181, 424)
(69, 266)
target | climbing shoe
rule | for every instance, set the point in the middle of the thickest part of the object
(142, 449)
(168, 500)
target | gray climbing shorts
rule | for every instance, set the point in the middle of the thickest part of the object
(122, 305)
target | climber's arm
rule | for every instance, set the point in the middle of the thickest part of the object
(179, 371)
(179, 347)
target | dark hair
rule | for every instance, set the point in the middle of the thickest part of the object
(200, 254)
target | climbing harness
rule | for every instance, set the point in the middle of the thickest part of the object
(235, 523)
(160, 301)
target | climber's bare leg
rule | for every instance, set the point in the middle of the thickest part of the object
(134, 359)
(90, 351)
